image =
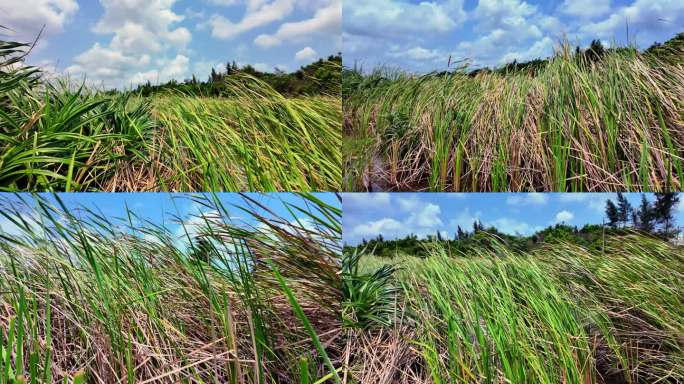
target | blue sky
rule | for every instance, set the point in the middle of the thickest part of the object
(164, 208)
(419, 35)
(399, 214)
(122, 42)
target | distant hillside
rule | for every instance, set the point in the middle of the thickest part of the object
(672, 50)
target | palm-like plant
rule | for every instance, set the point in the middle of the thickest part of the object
(57, 137)
(369, 298)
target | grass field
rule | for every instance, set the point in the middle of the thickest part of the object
(561, 314)
(54, 136)
(86, 298)
(570, 125)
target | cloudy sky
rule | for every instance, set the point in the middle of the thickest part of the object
(419, 35)
(165, 208)
(399, 214)
(122, 42)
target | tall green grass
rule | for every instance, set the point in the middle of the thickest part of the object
(87, 297)
(573, 125)
(562, 314)
(55, 136)
(256, 140)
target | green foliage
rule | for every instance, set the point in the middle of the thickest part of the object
(54, 137)
(389, 248)
(321, 77)
(671, 51)
(297, 308)
(655, 219)
(612, 214)
(12, 71)
(624, 209)
(463, 242)
(256, 140)
(663, 215)
(590, 236)
(202, 250)
(650, 219)
(369, 299)
(646, 216)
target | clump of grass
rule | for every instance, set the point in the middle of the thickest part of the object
(125, 300)
(562, 314)
(571, 125)
(368, 298)
(54, 136)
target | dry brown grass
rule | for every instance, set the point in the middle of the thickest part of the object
(616, 124)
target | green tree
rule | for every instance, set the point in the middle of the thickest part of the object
(635, 218)
(671, 51)
(595, 51)
(612, 213)
(477, 226)
(213, 78)
(662, 212)
(624, 209)
(460, 234)
(646, 216)
(202, 249)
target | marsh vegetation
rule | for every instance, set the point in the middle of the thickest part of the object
(583, 120)
(231, 133)
(85, 297)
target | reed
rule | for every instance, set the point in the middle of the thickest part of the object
(571, 125)
(57, 136)
(560, 314)
(125, 300)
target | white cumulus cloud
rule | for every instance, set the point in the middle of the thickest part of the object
(326, 21)
(398, 17)
(141, 29)
(564, 216)
(427, 216)
(421, 219)
(306, 54)
(26, 17)
(586, 8)
(527, 199)
(385, 227)
(365, 201)
(419, 53)
(643, 16)
(257, 15)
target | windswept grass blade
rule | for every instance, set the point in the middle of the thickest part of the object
(84, 296)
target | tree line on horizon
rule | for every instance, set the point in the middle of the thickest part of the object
(653, 218)
(321, 77)
(670, 51)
